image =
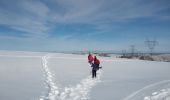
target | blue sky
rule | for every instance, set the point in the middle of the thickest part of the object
(66, 25)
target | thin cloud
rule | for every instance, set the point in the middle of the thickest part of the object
(29, 17)
(108, 11)
(36, 18)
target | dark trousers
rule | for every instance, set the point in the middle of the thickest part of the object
(93, 73)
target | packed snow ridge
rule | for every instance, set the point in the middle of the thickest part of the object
(79, 92)
(163, 94)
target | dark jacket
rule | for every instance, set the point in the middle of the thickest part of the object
(94, 67)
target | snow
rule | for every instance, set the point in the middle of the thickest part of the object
(163, 94)
(79, 92)
(155, 95)
(57, 76)
(52, 87)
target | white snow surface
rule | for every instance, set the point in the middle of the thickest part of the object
(79, 92)
(163, 94)
(57, 76)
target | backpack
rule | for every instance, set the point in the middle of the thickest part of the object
(97, 61)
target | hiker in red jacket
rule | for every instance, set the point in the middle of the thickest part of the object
(90, 58)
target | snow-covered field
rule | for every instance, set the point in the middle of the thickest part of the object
(52, 76)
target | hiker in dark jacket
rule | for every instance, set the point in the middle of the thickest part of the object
(94, 70)
(96, 62)
(95, 67)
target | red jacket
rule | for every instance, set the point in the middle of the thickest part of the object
(90, 58)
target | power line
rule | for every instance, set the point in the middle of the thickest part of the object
(132, 50)
(151, 45)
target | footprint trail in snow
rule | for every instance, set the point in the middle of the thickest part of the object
(53, 90)
(78, 92)
(81, 90)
